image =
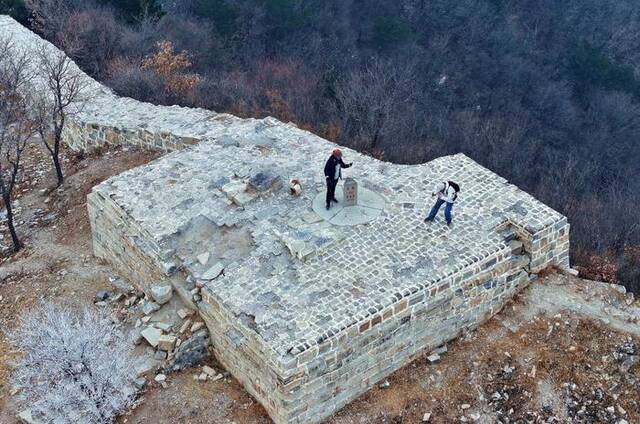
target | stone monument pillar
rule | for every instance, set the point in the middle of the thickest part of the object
(350, 192)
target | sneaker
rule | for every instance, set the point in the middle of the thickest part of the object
(328, 206)
(334, 200)
(428, 220)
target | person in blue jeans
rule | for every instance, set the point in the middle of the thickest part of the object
(446, 193)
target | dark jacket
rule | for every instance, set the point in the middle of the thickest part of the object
(330, 167)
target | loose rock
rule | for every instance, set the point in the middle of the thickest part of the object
(161, 293)
(151, 335)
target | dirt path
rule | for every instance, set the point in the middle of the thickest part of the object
(556, 352)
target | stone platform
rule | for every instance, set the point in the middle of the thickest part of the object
(307, 309)
(307, 312)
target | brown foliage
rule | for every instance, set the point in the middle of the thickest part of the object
(600, 268)
(172, 68)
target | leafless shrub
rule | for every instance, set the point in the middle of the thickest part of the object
(73, 368)
(375, 103)
(60, 99)
(128, 79)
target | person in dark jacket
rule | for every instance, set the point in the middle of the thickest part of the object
(333, 173)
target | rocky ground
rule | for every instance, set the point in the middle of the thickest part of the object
(566, 350)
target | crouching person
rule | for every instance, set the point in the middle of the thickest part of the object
(447, 193)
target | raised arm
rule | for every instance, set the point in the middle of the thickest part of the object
(344, 165)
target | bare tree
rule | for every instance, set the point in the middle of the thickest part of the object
(372, 102)
(60, 99)
(73, 368)
(50, 16)
(15, 126)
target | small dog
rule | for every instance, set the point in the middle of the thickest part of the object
(295, 187)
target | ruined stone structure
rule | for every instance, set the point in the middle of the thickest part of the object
(307, 308)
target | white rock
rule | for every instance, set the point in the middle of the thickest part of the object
(160, 378)
(151, 335)
(161, 293)
(150, 307)
(184, 312)
(209, 371)
(203, 258)
(166, 343)
(185, 326)
(433, 358)
(197, 326)
(426, 417)
(162, 326)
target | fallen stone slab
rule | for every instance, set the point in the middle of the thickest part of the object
(265, 181)
(163, 326)
(197, 326)
(151, 335)
(433, 358)
(166, 343)
(146, 366)
(150, 307)
(440, 350)
(185, 326)
(140, 382)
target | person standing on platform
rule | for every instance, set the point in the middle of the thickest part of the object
(333, 173)
(446, 192)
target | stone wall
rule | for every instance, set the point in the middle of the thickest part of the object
(87, 136)
(124, 243)
(316, 383)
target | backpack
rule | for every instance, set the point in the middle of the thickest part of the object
(456, 187)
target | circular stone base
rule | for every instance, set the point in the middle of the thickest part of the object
(369, 206)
